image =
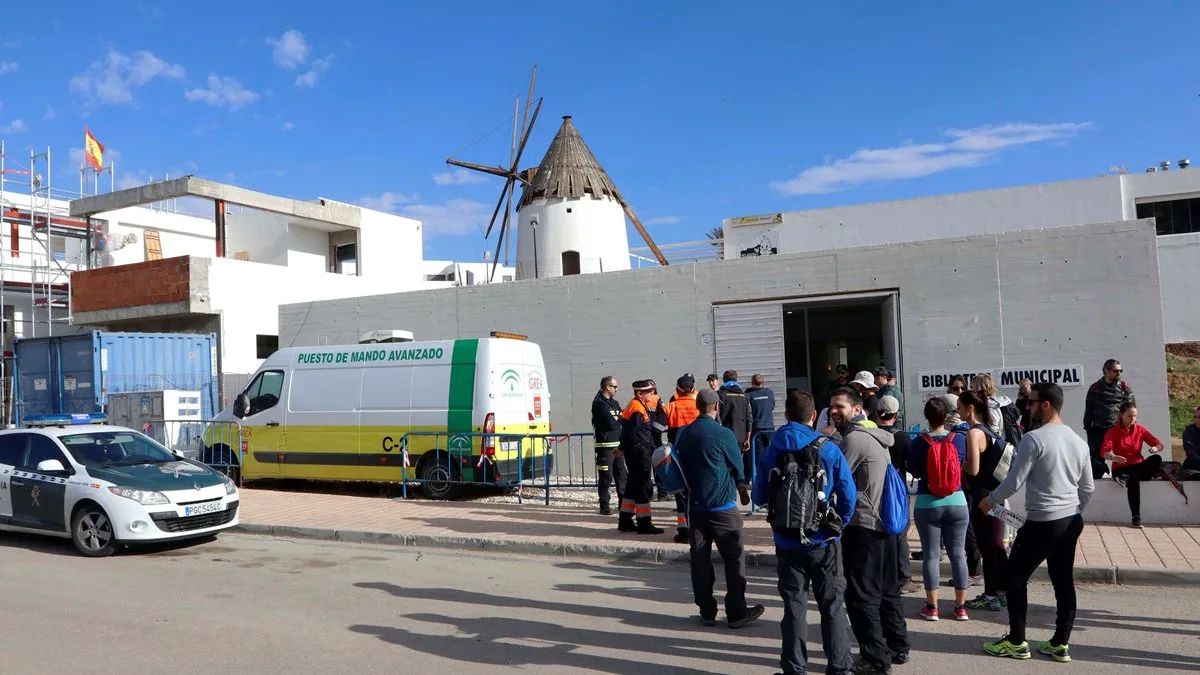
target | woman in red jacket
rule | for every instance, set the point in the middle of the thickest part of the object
(1123, 446)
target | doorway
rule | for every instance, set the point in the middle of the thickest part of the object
(861, 331)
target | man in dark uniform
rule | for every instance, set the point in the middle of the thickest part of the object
(735, 415)
(606, 424)
(637, 445)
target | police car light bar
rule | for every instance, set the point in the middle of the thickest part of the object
(65, 420)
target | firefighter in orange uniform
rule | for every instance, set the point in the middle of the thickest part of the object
(681, 411)
(642, 426)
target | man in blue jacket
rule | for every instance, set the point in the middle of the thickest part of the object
(818, 563)
(711, 461)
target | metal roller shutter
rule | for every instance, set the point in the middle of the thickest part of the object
(748, 338)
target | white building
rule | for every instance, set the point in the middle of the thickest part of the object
(1171, 197)
(155, 268)
(571, 218)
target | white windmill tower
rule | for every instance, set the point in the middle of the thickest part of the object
(570, 217)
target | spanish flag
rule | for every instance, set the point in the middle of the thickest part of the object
(93, 149)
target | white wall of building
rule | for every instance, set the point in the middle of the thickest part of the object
(595, 228)
(1092, 200)
(1041, 301)
(391, 249)
(463, 273)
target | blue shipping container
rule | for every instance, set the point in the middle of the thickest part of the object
(76, 373)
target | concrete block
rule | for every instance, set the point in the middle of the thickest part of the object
(1135, 576)
(380, 538)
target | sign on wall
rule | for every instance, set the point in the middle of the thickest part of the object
(1005, 378)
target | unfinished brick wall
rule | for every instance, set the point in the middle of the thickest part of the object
(152, 282)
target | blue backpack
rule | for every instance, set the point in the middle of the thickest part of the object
(894, 507)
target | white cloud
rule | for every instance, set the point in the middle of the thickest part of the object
(387, 201)
(319, 66)
(966, 148)
(14, 127)
(290, 49)
(222, 92)
(288, 126)
(133, 179)
(663, 220)
(112, 80)
(453, 218)
(458, 177)
(7, 67)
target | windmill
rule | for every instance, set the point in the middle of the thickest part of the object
(531, 185)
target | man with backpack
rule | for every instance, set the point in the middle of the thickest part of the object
(796, 468)
(710, 459)
(872, 569)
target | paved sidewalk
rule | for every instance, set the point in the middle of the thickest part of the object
(1106, 552)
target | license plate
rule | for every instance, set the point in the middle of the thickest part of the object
(199, 509)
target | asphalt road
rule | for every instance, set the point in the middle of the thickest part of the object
(246, 604)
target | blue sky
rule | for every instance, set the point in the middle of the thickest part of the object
(699, 111)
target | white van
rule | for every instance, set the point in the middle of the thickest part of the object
(342, 412)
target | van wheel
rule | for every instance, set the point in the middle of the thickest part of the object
(92, 532)
(221, 458)
(438, 477)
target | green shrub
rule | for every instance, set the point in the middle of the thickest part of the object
(1183, 412)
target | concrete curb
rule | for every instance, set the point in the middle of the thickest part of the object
(676, 554)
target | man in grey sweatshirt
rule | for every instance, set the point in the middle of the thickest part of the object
(870, 556)
(1054, 466)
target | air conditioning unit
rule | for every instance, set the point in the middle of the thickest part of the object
(378, 336)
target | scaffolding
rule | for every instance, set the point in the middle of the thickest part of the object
(35, 257)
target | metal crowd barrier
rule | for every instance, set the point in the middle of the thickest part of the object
(440, 461)
(220, 445)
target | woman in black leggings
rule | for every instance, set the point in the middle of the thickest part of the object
(1123, 447)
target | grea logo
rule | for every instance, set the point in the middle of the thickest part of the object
(511, 379)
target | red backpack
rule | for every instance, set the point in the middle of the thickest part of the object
(943, 472)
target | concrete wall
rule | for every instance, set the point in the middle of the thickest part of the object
(1179, 270)
(1094, 200)
(966, 303)
(391, 249)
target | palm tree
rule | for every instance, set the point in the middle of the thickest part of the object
(716, 236)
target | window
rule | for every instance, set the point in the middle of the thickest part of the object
(108, 448)
(1176, 216)
(265, 390)
(40, 450)
(570, 263)
(12, 448)
(266, 345)
(345, 259)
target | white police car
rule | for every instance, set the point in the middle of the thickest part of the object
(105, 486)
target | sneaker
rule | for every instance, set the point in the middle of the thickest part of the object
(930, 612)
(1060, 653)
(1137, 523)
(752, 614)
(682, 537)
(606, 510)
(1120, 480)
(900, 659)
(960, 613)
(985, 602)
(708, 622)
(1003, 647)
(1004, 600)
(863, 667)
(977, 580)
(911, 587)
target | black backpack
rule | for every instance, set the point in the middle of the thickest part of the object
(1011, 424)
(798, 506)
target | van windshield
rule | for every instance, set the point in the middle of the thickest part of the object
(116, 448)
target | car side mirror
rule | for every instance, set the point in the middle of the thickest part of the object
(241, 406)
(51, 466)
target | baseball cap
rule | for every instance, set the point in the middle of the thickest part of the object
(883, 371)
(686, 382)
(707, 398)
(888, 405)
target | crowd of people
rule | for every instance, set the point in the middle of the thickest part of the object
(973, 452)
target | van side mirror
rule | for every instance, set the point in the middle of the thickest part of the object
(51, 466)
(241, 406)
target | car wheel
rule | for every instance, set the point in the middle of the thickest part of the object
(439, 477)
(92, 532)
